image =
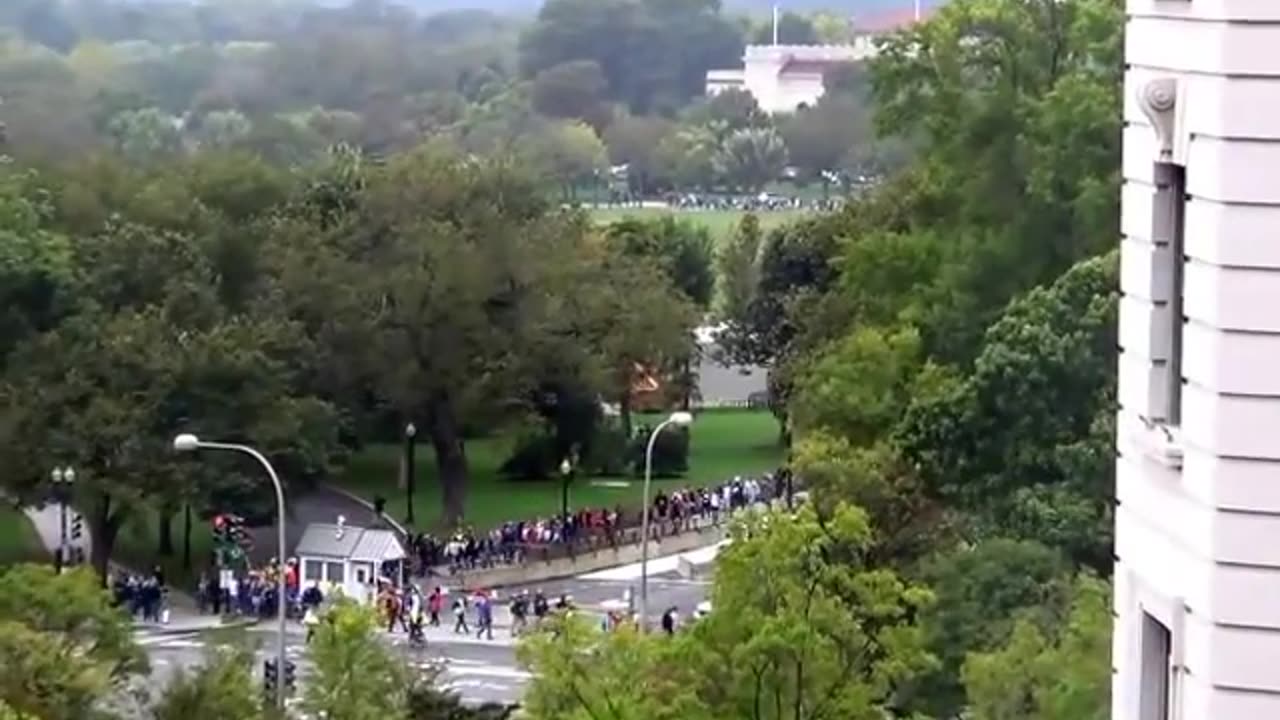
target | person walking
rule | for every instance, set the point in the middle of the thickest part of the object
(519, 613)
(484, 616)
(434, 604)
(669, 621)
(460, 615)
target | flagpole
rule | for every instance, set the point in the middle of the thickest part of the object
(775, 23)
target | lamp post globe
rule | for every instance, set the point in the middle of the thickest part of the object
(186, 442)
(410, 469)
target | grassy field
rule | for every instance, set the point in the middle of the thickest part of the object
(18, 539)
(724, 444)
(720, 223)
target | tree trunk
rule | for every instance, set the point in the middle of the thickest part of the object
(104, 526)
(686, 399)
(186, 536)
(451, 459)
(624, 414)
(164, 539)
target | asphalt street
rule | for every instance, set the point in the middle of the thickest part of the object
(479, 670)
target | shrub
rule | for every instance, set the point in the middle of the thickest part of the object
(534, 457)
(670, 452)
(608, 452)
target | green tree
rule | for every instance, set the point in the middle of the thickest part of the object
(858, 385)
(983, 592)
(569, 152)
(820, 137)
(751, 158)
(1016, 151)
(727, 112)
(35, 262)
(634, 141)
(687, 157)
(1062, 674)
(573, 90)
(62, 643)
(1025, 441)
(681, 248)
(585, 675)
(635, 326)
(799, 628)
(738, 268)
(224, 129)
(654, 53)
(145, 135)
(223, 687)
(355, 675)
(447, 348)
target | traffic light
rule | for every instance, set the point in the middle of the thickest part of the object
(270, 677)
(77, 526)
(290, 677)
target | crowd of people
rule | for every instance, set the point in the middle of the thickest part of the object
(251, 594)
(762, 202)
(144, 598)
(511, 542)
(588, 528)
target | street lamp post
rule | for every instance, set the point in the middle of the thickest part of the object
(62, 481)
(191, 443)
(566, 476)
(410, 469)
(680, 419)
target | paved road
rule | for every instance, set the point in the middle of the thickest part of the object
(478, 670)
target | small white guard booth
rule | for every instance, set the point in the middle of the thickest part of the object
(350, 559)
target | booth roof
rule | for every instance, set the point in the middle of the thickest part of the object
(354, 543)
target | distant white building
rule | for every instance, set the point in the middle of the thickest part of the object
(782, 78)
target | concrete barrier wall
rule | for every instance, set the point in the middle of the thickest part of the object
(534, 571)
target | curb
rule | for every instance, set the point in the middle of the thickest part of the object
(367, 505)
(168, 630)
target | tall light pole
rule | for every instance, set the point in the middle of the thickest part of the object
(62, 480)
(679, 419)
(410, 471)
(191, 443)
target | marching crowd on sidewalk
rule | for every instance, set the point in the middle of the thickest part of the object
(510, 543)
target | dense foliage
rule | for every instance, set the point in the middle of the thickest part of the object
(940, 354)
(582, 84)
(378, 237)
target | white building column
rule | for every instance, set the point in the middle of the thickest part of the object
(1197, 633)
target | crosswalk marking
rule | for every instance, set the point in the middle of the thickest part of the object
(491, 671)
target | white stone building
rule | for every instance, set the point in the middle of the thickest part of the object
(1197, 630)
(784, 77)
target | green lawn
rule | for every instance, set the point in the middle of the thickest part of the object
(724, 444)
(720, 223)
(18, 539)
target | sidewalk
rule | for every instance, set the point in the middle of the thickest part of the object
(184, 621)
